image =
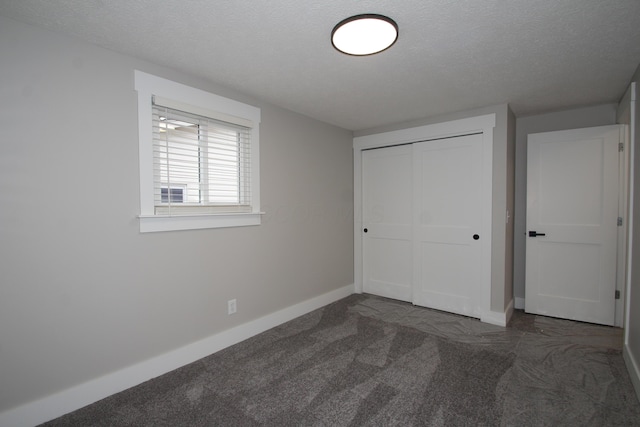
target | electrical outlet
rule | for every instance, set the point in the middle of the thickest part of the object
(231, 306)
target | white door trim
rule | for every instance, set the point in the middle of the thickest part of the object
(624, 230)
(480, 124)
(626, 115)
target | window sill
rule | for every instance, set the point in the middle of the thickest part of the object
(155, 223)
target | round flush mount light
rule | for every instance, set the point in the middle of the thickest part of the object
(365, 34)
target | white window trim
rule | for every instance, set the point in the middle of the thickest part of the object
(222, 108)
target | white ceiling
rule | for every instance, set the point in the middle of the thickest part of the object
(451, 55)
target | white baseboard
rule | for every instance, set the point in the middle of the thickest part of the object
(633, 368)
(497, 318)
(519, 303)
(74, 398)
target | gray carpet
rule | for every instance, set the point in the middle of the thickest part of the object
(371, 361)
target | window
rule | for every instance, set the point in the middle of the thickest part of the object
(198, 158)
(204, 161)
(170, 195)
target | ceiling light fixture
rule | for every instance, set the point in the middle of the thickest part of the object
(365, 34)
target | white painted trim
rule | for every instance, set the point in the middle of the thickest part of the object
(147, 86)
(150, 85)
(497, 318)
(481, 124)
(633, 368)
(153, 223)
(357, 220)
(631, 207)
(519, 305)
(426, 132)
(623, 200)
(74, 398)
(487, 219)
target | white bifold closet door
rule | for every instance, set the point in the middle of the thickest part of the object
(422, 205)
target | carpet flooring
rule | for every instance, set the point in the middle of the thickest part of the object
(370, 361)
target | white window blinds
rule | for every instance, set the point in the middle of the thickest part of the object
(201, 165)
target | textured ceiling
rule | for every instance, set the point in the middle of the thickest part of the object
(451, 55)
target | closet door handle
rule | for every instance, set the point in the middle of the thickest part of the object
(536, 234)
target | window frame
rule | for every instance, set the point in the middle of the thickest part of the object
(202, 103)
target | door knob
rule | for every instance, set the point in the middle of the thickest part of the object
(476, 237)
(365, 230)
(535, 234)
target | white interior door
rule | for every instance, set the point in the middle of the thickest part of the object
(447, 251)
(387, 202)
(572, 212)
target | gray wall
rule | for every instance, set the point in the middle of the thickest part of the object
(598, 115)
(503, 143)
(82, 292)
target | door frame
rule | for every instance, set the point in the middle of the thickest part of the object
(481, 124)
(624, 229)
(626, 116)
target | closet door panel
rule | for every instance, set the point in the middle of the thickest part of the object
(447, 179)
(387, 238)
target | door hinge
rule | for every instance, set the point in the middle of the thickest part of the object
(619, 221)
(621, 146)
(617, 294)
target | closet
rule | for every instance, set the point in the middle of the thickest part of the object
(423, 221)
